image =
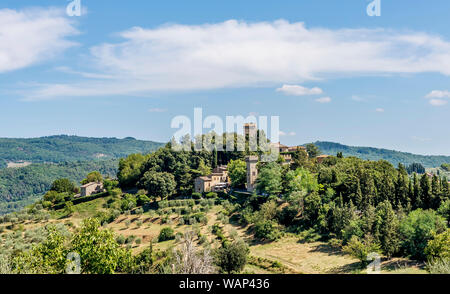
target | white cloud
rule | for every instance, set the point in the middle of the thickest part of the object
(438, 102)
(437, 97)
(290, 134)
(324, 100)
(438, 94)
(157, 110)
(420, 139)
(240, 54)
(357, 98)
(379, 110)
(31, 36)
(295, 90)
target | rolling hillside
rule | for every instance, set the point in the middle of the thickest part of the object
(394, 157)
(36, 163)
(64, 148)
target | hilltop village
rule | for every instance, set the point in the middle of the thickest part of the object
(219, 181)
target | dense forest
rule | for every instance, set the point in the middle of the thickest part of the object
(394, 157)
(64, 148)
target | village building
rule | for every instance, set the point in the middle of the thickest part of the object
(250, 130)
(91, 188)
(321, 158)
(252, 172)
(217, 181)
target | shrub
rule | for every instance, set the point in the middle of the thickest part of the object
(267, 230)
(310, 235)
(417, 229)
(142, 200)
(287, 215)
(335, 243)
(130, 239)
(166, 234)
(127, 223)
(196, 195)
(202, 240)
(120, 239)
(232, 257)
(163, 204)
(211, 195)
(439, 247)
(440, 266)
(361, 249)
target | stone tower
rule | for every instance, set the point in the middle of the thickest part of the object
(250, 130)
(252, 172)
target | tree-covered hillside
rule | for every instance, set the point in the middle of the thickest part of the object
(394, 157)
(70, 148)
(18, 186)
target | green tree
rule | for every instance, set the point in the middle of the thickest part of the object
(387, 228)
(237, 170)
(203, 169)
(312, 150)
(300, 159)
(232, 257)
(439, 246)
(166, 234)
(94, 176)
(270, 179)
(362, 248)
(158, 184)
(130, 169)
(98, 249)
(417, 229)
(48, 257)
(425, 192)
(63, 185)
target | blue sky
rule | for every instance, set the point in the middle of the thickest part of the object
(126, 68)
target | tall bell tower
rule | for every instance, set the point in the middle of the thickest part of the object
(252, 172)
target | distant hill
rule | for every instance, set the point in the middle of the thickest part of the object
(370, 153)
(22, 186)
(69, 149)
(36, 163)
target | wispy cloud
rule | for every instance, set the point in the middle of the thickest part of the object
(438, 94)
(289, 134)
(31, 36)
(241, 54)
(438, 102)
(357, 98)
(296, 90)
(420, 139)
(436, 97)
(380, 110)
(157, 110)
(324, 100)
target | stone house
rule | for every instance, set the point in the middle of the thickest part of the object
(217, 181)
(91, 188)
